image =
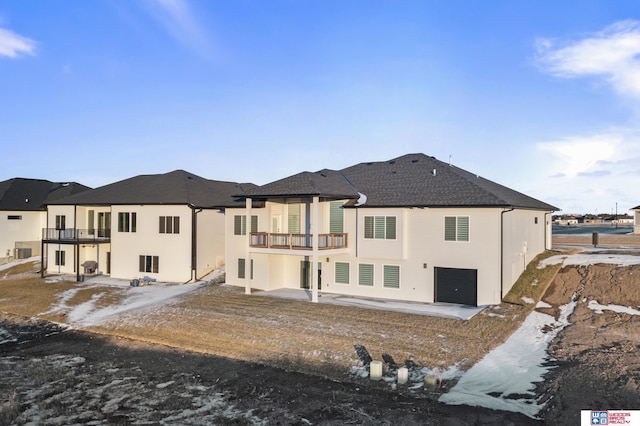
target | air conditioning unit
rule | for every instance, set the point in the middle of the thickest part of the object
(22, 253)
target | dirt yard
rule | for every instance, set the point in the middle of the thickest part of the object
(597, 360)
(61, 377)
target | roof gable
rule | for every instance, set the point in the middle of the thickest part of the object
(324, 183)
(412, 180)
(176, 187)
(20, 194)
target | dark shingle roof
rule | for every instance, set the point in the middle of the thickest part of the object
(325, 183)
(20, 194)
(177, 187)
(413, 180)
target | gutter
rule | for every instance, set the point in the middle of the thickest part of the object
(502, 250)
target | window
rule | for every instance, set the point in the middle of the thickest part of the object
(456, 228)
(14, 217)
(365, 274)
(90, 221)
(61, 221)
(149, 264)
(127, 222)
(336, 217)
(342, 273)
(241, 269)
(293, 219)
(380, 227)
(535, 220)
(169, 224)
(391, 276)
(60, 255)
(240, 224)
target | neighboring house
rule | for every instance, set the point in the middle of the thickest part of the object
(168, 227)
(412, 228)
(23, 213)
(636, 223)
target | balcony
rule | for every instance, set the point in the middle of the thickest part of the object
(79, 235)
(297, 241)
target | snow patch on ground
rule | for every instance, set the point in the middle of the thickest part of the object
(87, 314)
(6, 337)
(527, 300)
(505, 378)
(598, 308)
(584, 259)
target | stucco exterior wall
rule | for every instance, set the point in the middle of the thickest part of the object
(26, 229)
(210, 241)
(173, 250)
(525, 236)
(418, 249)
(70, 263)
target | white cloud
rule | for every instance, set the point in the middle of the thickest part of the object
(587, 174)
(177, 17)
(13, 45)
(573, 156)
(613, 53)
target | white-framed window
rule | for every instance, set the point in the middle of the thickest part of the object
(61, 221)
(342, 272)
(456, 228)
(127, 222)
(60, 257)
(365, 274)
(240, 224)
(169, 224)
(14, 217)
(241, 268)
(149, 264)
(391, 278)
(336, 217)
(380, 227)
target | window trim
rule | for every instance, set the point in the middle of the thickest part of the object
(373, 274)
(149, 264)
(384, 277)
(380, 227)
(457, 227)
(347, 265)
(127, 221)
(169, 224)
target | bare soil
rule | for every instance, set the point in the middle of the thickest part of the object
(596, 357)
(76, 377)
(51, 376)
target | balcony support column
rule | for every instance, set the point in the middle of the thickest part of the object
(314, 247)
(247, 277)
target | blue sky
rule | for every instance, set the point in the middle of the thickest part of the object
(541, 96)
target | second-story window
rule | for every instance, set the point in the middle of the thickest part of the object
(127, 222)
(380, 227)
(240, 224)
(456, 228)
(61, 221)
(169, 224)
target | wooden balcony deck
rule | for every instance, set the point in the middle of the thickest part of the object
(297, 241)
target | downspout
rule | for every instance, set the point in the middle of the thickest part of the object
(76, 252)
(502, 250)
(194, 242)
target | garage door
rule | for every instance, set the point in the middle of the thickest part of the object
(457, 286)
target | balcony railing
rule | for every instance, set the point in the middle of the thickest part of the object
(71, 234)
(297, 241)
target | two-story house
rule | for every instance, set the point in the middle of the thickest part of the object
(23, 213)
(636, 219)
(169, 227)
(412, 228)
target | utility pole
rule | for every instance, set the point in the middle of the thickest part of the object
(616, 218)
